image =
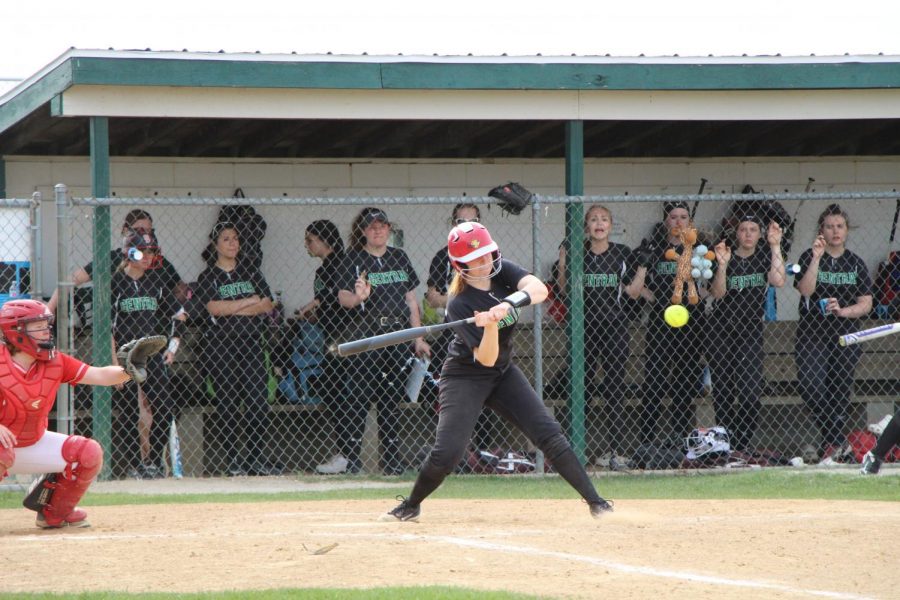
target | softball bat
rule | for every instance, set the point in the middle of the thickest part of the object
(396, 337)
(868, 334)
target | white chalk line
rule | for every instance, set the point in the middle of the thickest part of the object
(617, 566)
(482, 545)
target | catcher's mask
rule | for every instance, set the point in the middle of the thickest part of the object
(705, 440)
(146, 242)
(14, 315)
(468, 241)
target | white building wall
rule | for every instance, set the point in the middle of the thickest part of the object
(287, 266)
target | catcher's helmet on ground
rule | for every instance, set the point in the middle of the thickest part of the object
(706, 440)
(14, 315)
(468, 241)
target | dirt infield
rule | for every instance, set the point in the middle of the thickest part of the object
(647, 548)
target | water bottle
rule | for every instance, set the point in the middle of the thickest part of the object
(277, 314)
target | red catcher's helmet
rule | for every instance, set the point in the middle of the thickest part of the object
(13, 317)
(145, 241)
(468, 241)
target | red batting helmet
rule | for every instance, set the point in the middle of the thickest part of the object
(13, 317)
(468, 241)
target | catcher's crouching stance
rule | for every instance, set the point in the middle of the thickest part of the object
(31, 371)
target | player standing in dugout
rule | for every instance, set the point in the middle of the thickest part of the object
(478, 371)
(611, 274)
(739, 286)
(380, 282)
(673, 362)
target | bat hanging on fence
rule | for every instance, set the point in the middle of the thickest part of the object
(699, 193)
(396, 337)
(868, 334)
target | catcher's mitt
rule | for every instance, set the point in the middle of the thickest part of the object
(511, 197)
(133, 355)
(39, 492)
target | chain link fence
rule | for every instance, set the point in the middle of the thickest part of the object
(260, 291)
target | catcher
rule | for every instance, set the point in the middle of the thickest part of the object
(31, 371)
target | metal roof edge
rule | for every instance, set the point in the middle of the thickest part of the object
(473, 59)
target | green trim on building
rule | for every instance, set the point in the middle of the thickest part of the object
(225, 73)
(641, 76)
(483, 75)
(56, 105)
(35, 95)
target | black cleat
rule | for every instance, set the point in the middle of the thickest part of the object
(871, 464)
(598, 509)
(404, 512)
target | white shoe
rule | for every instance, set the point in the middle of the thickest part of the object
(337, 464)
(878, 428)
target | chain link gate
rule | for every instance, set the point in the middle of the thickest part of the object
(257, 389)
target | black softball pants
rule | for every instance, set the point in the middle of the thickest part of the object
(377, 376)
(825, 373)
(606, 344)
(736, 360)
(672, 367)
(162, 406)
(463, 395)
(236, 366)
(889, 438)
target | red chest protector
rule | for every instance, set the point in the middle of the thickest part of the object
(26, 401)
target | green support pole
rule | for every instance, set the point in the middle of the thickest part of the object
(102, 326)
(2, 178)
(575, 283)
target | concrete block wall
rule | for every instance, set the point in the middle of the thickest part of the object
(183, 232)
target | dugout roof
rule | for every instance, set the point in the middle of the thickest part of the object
(182, 104)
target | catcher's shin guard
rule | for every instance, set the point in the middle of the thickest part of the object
(7, 458)
(84, 458)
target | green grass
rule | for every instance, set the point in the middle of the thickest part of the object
(761, 484)
(409, 593)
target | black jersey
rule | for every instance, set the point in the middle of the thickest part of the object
(331, 316)
(242, 282)
(464, 305)
(746, 282)
(440, 272)
(141, 307)
(845, 278)
(604, 276)
(660, 280)
(166, 272)
(391, 277)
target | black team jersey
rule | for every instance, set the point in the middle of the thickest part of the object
(242, 282)
(746, 281)
(845, 278)
(467, 337)
(141, 307)
(391, 277)
(604, 276)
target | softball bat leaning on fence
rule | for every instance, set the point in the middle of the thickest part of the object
(868, 334)
(396, 337)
